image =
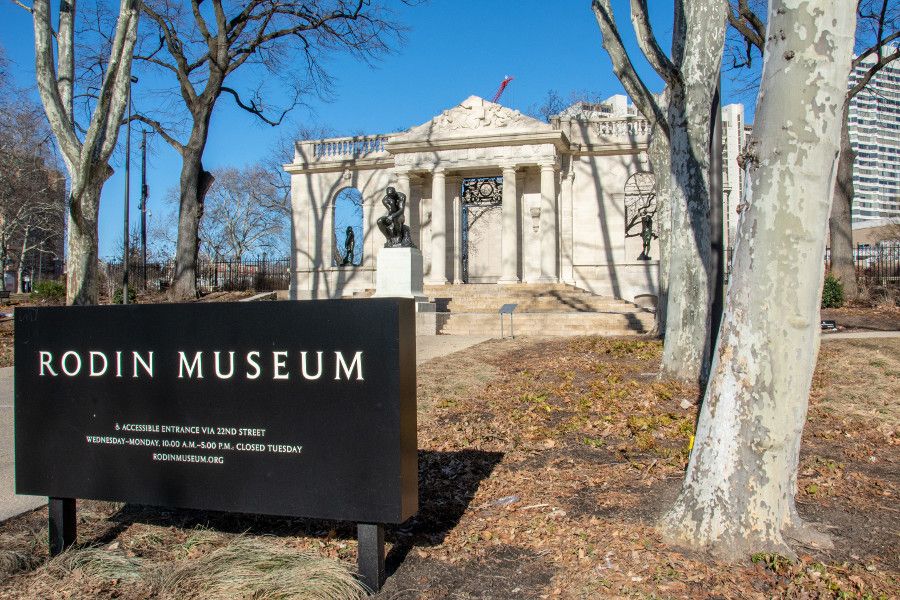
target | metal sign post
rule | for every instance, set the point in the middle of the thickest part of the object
(507, 309)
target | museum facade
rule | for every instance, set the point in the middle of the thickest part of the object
(494, 197)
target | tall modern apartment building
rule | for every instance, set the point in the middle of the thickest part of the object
(874, 126)
(734, 133)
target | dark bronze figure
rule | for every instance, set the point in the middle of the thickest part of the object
(392, 224)
(647, 236)
(349, 245)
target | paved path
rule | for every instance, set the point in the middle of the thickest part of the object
(860, 335)
(427, 347)
(10, 504)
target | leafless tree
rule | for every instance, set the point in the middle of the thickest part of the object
(738, 495)
(239, 216)
(203, 46)
(552, 104)
(877, 33)
(85, 153)
(680, 157)
(32, 189)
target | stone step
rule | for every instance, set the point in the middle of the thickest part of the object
(562, 304)
(490, 289)
(554, 324)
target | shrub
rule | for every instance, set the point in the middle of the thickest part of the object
(832, 293)
(117, 296)
(54, 291)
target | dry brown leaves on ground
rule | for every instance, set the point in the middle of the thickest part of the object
(544, 465)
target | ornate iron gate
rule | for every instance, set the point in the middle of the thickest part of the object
(480, 195)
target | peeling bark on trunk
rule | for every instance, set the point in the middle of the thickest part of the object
(86, 160)
(81, 266)
(843, 266)
(699, 56)
(738, 493)
(687, 316)
(659, 161)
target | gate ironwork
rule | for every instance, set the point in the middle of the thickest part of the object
(480, 195)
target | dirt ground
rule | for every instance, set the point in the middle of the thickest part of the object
(857, 318)
(544, 466)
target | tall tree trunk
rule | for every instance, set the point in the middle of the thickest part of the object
(685, 351)
(738, 492)
(81, 264)
(20, 272)
(194, 183)
(659, 160)
(843, 267)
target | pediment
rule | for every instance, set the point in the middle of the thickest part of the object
(473, 118)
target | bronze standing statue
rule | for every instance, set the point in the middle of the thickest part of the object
(647, 236)
(392, 224)
(349, 245)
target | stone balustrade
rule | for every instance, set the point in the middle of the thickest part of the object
(623, 128)
(343, 148)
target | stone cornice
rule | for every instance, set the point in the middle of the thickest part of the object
(479, 140)
(353, 164)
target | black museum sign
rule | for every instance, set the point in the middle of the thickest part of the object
(286, 408)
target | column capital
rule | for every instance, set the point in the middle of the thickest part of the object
(509, 166)
(549, 164)
(439, 171)
(401, 171)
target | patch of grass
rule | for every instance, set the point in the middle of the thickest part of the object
(198, 541)
(771, 561)
(99, 563)
(259, 569)
(15, 561)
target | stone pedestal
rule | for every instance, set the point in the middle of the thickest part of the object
(399, 274)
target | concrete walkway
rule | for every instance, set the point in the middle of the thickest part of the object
(10, 504)
(859, 335)
(427, 347)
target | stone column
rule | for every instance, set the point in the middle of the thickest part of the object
(403, 188)
(549, 231)
(567, 239)
(509, 237)
(438, 228)
(457, 229)
(414, 202)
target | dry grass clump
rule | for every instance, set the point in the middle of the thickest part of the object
(100, 563)
(21, 551)
(243, 568)
(259, 569)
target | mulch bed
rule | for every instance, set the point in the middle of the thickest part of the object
(544, 466)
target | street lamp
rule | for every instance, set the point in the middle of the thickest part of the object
(127, 195)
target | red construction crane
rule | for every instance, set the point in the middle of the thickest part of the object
(502, 87)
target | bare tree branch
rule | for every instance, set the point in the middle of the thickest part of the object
(622, 65)
(650, 46)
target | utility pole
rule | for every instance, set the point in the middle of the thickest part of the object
(144, 205)
(125, 248)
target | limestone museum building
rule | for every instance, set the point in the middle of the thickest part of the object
(494, 197)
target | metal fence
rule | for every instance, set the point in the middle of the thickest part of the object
(876, 264)
(260, 274)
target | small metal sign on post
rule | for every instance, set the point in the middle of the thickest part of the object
(303, 409)
(507, 309)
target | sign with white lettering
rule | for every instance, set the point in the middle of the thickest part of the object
(289, 408)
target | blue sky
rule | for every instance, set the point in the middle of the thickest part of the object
(453, 49)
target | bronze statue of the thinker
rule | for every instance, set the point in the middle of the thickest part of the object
(392, 225)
